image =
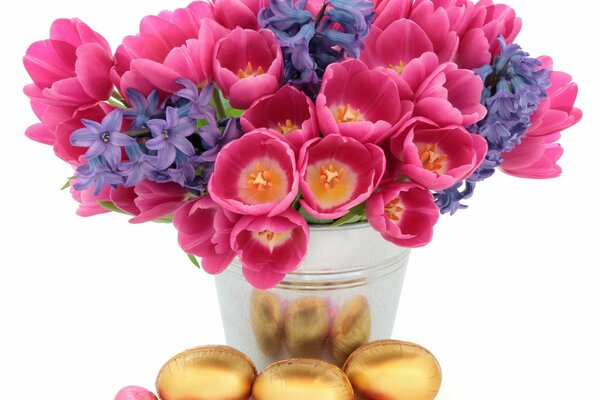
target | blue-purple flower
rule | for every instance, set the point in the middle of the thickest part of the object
(214, 140)
(143, 109)
(103, 139)
(170, 136)
(199, 100)
(515, 84)
(96, 173)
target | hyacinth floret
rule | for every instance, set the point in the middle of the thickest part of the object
(515, 84)
(311, 43)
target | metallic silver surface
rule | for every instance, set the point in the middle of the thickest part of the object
(320, 308)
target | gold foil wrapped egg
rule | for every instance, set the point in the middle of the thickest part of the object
(307, 327)
(302, 379)
(207, 373)
(394, 370)
(351, 328)
(267, 322)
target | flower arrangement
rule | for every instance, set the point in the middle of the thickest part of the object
(245, 121)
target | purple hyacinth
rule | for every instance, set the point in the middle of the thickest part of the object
(310, 44)
(139, 167)
(515, 84)
(96, 173)
(143, 109)
(170, 136)
(199, 100)
(214, 140)
(103, 139)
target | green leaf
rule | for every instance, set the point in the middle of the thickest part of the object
(68, 184)
(116, 103)
(194, 260)
(314, 221)
(357, 214)
(108, 205)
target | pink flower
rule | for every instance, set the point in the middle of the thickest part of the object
(270, 247)
(124, 199)
(239, 13)
(449, 96)
(248, 65)
(499, 19)
(204, 230)
(438, 157)
(135, 393)
(168, 48)
(255, 175)
(157, 200)
(57, 124)
(289, 111)
(388, 11)
(88, 202)
(538, 152)
(404, 213)
(338, 173)
(71, 69)
(360, 103)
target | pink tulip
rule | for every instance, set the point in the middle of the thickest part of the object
(157, 200)
(404, 213)
(270, 247)
(500, 19)
(71, 69)
(88, 202)
(450, 96)
(239, 13)
(204, 230)
(360, 103)
(338, 173)
(57, 124)
(248, 65)
(124, 199)
(437, 157)
(135, 393)
(289, 111)
(168, 48)
(389, 11)
(538, 152)
(255, 175)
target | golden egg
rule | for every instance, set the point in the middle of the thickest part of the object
(207, 373)
(267, 322)
(351, 328)
(307, 327)
(394, 370)
(302, 379)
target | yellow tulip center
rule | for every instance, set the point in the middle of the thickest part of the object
(271, 239)
(330, 176)
(265, 182)
(347, 114)
(287, 127)
(398, 68)
(431, 158)
(393, 209)
(249, 71)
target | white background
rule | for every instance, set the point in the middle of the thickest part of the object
(506, 296)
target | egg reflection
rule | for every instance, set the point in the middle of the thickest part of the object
(394, 370)
(351, 328)
(307, 327)
(207, 373)
(298, 379)
(267, 322)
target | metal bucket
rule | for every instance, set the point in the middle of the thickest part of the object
(345, 293)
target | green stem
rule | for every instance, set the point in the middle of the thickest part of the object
(138, 133)
(116, 103)
(219, 105)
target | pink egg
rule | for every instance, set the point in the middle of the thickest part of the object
(135, 393)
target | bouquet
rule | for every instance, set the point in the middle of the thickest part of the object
(244, 122)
